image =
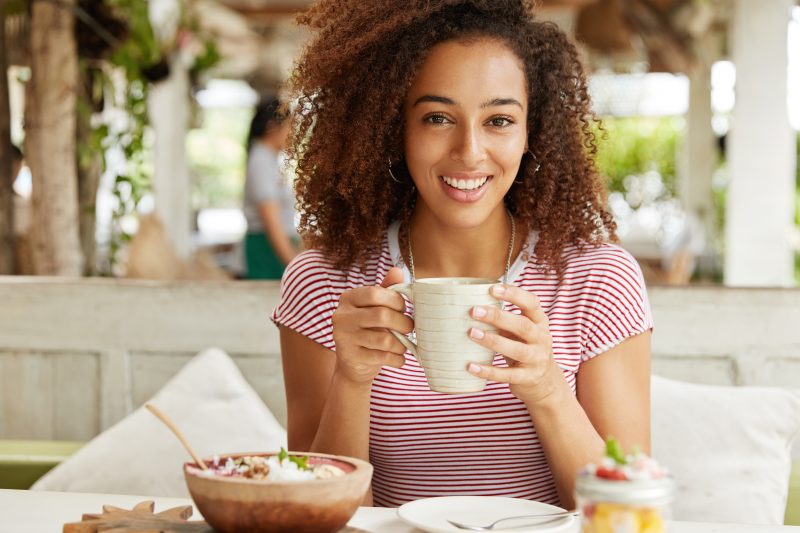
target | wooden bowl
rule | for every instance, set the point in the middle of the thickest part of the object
(236, 504)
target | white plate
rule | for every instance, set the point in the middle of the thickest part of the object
(431, 514)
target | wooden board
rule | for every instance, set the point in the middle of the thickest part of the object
(140, 519)
(143, 519)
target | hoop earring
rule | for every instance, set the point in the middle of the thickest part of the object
(392, 174)
(535, 170)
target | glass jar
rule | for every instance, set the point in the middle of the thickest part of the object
(623, 506)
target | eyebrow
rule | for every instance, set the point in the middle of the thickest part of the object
(449, 101)
(501, 102)
(435, 99)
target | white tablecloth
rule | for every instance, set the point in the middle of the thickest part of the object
(24, 511)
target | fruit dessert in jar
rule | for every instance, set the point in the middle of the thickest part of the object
(625, 493)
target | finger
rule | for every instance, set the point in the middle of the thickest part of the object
(377, 357)
(393, 277)
(500, 374)
(519, 326)
(384, 317)
(376, 296)
(515, 350)
(527, 301)
(394, 360)
(380, 340)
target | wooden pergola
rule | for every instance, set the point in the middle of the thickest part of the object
(683, 36)
(257, 40)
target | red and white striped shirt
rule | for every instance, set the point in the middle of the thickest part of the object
(425, 443)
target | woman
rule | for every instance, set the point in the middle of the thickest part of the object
(454, 139)
(271, 240)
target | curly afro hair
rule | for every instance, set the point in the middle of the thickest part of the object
(351, 83)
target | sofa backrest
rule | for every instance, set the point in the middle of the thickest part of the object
(78, 355)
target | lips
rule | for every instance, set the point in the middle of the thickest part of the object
(465, 187)
(466, 184)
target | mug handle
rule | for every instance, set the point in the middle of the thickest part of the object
(404, 289)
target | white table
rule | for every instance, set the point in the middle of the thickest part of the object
(24, 511)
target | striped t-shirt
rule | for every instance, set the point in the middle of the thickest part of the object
(424, 443)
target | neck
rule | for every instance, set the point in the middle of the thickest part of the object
(447, 251)
(270, 142)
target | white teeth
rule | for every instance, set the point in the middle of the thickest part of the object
(466, 185)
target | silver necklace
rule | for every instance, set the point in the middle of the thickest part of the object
(508, 257)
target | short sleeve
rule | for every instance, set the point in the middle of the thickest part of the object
(615, 301)
(307, 299)
(264, 175)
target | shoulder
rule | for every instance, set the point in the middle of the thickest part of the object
(313, 269)
(607, 282)
(259, 156)
(312, 286)
(601, 262)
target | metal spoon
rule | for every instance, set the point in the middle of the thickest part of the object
(551, 517)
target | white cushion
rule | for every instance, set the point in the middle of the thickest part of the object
(729, 449)
(208, 399)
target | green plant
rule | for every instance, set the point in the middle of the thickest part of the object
(629, 146)
(136, 61)
(217, 157)
(797, 211)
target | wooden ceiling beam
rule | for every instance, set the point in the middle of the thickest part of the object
(266, 12)
(271, 11)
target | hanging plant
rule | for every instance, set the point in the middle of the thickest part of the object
(132, 59)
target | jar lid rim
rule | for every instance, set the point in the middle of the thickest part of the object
(652, 491)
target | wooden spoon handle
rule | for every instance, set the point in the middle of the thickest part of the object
(171, 425)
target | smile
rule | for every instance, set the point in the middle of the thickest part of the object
(466, 184)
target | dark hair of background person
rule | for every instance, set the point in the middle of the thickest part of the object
(351, 83)
(16, 153)
(269, 114)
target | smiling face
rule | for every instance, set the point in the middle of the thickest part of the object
(466, 129)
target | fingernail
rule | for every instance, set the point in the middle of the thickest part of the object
(498, 290)
(475, 369)
(476, 333)
(478, 311)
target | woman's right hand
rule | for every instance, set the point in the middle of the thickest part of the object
(361, 327)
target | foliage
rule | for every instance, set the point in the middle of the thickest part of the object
(629, 146)
(217, 157)
(141, 60)
(136, 53)
(797, 212)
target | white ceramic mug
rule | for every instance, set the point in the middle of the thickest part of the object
(442, 321)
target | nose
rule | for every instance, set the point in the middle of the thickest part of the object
(469, 147)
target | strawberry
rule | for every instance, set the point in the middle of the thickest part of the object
(611, 473)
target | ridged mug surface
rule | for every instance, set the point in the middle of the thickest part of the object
(442, 322)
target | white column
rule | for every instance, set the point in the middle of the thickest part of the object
(168, 105)
(699, 154)
(761, 151)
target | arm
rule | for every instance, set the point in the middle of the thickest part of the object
(321, 404)
(613, 399)
(613, 393)
(326, 413)
(328, 393)
(270, 213)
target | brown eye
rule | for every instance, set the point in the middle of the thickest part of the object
(501, 122)
(436, 119)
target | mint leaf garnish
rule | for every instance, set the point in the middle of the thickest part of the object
(614, 451)
(300, 461)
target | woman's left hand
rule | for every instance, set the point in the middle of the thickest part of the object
(524, 340)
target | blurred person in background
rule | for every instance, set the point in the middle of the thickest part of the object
(271, 240)
(21, 184)
(16, 162)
